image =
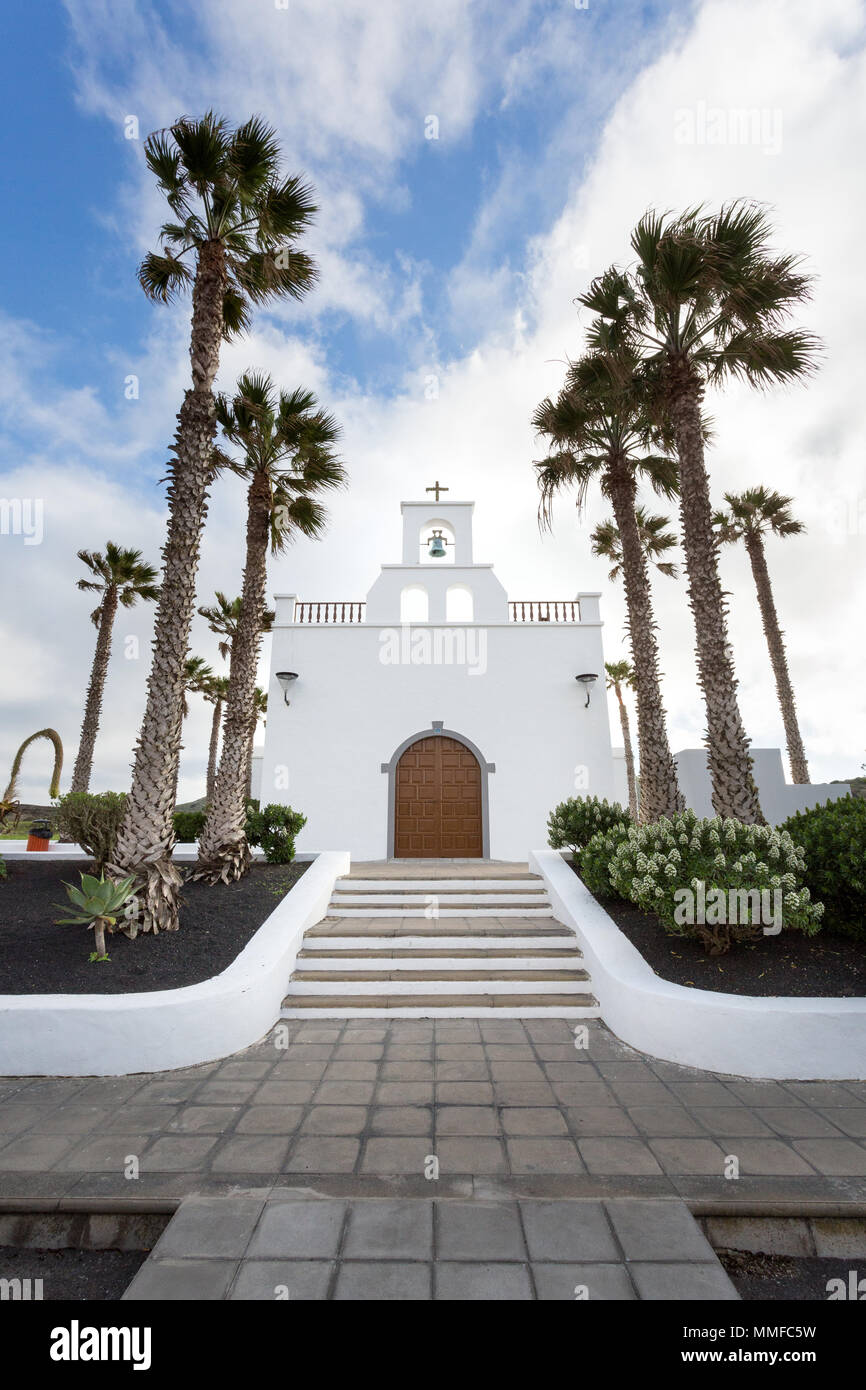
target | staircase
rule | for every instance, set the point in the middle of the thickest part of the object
(458, 943)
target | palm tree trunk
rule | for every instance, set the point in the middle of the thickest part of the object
(629, 754)
(223, 852)
(146, 839)
(93, 705)
(733, 786)
(776, 644)
(660, 794)
(250, 749)
(212, 751)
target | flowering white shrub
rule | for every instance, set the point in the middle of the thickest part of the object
(718, 880)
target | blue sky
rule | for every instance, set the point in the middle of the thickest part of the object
(457, 258)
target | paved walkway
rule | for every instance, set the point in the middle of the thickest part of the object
(506, 1106)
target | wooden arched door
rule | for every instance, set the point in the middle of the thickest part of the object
(437, 811)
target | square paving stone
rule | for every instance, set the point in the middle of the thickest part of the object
(575, 1231)
(173, 1281)
(384, 1281)
(548, 1029)
(486, 1283)
(319, 1154)
(852, 1122)
(470, 1154)
(352, 1071)
(544, 1156)
(298, 1229)
(534, 1119)
(732, 1119)
(404, 1093)
(166, 1092)
(33, 1153)
(251, 1153)
(466, 1119)
(823, 1093)
(517, 1071)
(106, 1153)
(244, 1070)
(178, 1153)
(479, 1231)
(666, 1121)
(835, 1157)
(586, 1093)
(362, 1052)
(141, 1118)
(335, 1119)
(631, 1093)
(801, 1122)
(617, 1156)
(459, 1052)
(284, 1093)
(268, 1281)
(693, 1093)
(579, 1282)
(767, 1157)
(511, 1052)
(464, 1093)
(691, 1156)
(219, 1227)
(16, 1116)
(599, 1120)
(270, 1119)
(294, 1069)
(345, 1093)
(666, 1282)
(227, 1092)
(406, 1071)
(505, 1030)
(573, 1073)
(396, 1154)
(658, 1228)
(462, 1071)
(392, 1230)
(523, 1093)
(402, 1119)
(73, 1119)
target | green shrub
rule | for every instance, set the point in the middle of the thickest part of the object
(274, 828)
(92, 820)
(689, 867)
(595, 860)
(188, 825)
(251, 829)
(833, 837)
(572, 824)
(2, 867)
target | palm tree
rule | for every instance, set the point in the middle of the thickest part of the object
(708, 300)
(620, 673)
(750, 516)
(655, 539)
(121, 577)
(233, 242)
(217, 693)
(222, 618)
(287, 457)
(197, 676)
(602, 433)
(260, 709)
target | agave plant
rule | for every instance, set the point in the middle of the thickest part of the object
(98, 902)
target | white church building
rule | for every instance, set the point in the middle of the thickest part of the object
(437, 718)
(440, 719)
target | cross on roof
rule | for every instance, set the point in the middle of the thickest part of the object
(437, 488)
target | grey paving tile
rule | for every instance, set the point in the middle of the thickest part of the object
(16, 1116)
(250, 1153)
(483, 1282)
(825, 1094)
(523, 1093)
(466, 1119)
(572, 1231)
(297, 1281)
(165, 1092)
(460, 1052)
(543, 1155)
(384, 1281)
(579, 1282)
(479, 1231)
(851, 1122)
(617, 1155)
(244, 1069)
(802, 1122)
(284, 1093)
(691, 1155)
(462, 1071)
(322, 1154)
(172, 1281)
(298, 1229)
(588, 1093)
(178, 1153)
(335, 1119)
(533, 1120)
(767, 1156)
(393, 1230)
(217, 1227)
(402, 1119)
(664, 1282)
(599, 1120)
(71, 1119)
(270, 1119)
(657, 1229)
(734, 1119)
(836, 1157)
(345, 1092)
(404, 1093)
(667, 1121)
(470, 1154)
(463, 1093)
(104, 1153)
(396, 1154)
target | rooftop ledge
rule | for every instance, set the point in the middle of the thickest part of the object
(584, 609)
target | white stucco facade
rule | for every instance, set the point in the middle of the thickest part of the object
(438, 650)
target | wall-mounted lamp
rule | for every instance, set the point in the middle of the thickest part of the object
(285, 679)
(587, 680)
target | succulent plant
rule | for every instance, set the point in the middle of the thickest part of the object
(98, 902)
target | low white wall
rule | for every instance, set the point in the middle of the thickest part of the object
(779, 799)
(116, 1034)
(783, 1039)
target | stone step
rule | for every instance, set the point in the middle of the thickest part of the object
(418, 902)
(437, 972)
(409, 911)
(439, 885)
(529, 1005)
(543, 953)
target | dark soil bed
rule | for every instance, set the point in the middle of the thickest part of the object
(788, 964)
(784, 1277)
(39, 957)
(86, 1275)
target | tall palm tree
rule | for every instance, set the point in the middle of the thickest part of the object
(655, 539)
(121, 577)
(260, 709)
(233, 242)
(197, 676)
(750, 516)
(602, 433)
(708, 300)
(619, 674)
(222, 618)
(286, 455)
(216, 693)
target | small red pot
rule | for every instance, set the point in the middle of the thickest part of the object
(37, 842)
